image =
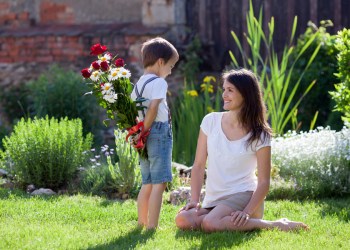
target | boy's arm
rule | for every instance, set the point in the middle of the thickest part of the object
(151, 113)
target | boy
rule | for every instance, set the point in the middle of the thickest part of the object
(158, 57)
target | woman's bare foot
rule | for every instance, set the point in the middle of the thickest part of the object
(286, 225)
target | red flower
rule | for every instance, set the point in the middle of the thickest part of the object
(85, 73)
(97, 49)
(119, 62)
(104, 66)
(96, 65)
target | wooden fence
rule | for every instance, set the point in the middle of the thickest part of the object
(214, 20)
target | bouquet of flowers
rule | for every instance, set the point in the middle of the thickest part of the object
(109, 81)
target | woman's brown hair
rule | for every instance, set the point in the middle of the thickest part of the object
(253, 112)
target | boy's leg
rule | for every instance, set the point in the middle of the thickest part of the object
(143, 204)
(155, 203)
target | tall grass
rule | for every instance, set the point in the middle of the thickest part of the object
(273, 70)
(188, 111)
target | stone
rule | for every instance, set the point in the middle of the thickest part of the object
(183, 195)
(3, 173)
(7, 184)
(30, 188)
(43, 191)
(180, 168)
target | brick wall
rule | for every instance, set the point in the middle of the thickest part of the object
(70, 45)
(61, 31)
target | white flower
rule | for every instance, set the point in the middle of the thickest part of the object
(111, 98)
(114, 74)
(105, 57)
(124, 73)
(107, 89)
(95, 76)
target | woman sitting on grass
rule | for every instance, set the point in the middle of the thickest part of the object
(236, 143)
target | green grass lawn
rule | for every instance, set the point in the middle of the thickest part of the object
(81, 222)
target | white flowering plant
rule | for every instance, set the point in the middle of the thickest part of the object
(316, 162)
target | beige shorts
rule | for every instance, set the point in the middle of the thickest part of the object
(237, 202)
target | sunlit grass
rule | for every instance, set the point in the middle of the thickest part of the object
(82, 222)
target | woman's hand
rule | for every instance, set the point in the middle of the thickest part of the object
(240, 218)
(191, 204)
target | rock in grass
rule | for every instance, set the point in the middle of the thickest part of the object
(43, 191)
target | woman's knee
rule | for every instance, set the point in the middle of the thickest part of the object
(183, 221)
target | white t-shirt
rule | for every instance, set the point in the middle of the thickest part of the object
(156, 89)
(231, 165)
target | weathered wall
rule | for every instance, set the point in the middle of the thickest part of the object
(24, 12)
(42, 32)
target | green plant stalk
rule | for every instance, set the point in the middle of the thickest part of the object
(125, 174)
(187, 117)
(274, 72)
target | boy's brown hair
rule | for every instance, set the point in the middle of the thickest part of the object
(157, 48)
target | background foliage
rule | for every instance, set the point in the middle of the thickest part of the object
(341, 95)
(274, 69)
(313, 164)
(322, 70)
(191, 106)
(46, 152)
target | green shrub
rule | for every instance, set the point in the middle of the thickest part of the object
(4, 131)
(46, 152)
(314, 164)
(95, 178)
(190, 66)
(15, 103)
(341, 95)
(322, 70)
(60, 93)
(125, 173)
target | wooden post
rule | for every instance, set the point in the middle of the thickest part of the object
(313, 11)
(337, 15)
(223, 23)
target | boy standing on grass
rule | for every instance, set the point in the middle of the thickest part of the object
(158, 57)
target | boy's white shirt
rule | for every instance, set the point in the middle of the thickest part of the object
(156, 89)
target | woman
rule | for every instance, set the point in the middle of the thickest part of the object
(236, 143)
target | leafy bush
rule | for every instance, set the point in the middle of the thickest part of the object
(190, 66)
(3, 132)
(46, 152)
(94, 179)
(60, 93)
(316, 163)
(125, 173)
(322, 70)
(191, 106)
(341, 95)
(15, 103)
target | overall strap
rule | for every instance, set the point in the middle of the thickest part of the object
(139, 94)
